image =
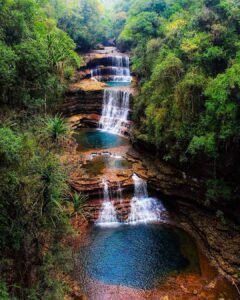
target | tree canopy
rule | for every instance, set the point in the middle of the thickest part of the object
(186, 56)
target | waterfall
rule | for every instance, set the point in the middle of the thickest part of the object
(115, 68)
(110, 71)
(119, 193)
(140, 187)
(116, 106)
(119, 61)
(107, 215)
(143, 208)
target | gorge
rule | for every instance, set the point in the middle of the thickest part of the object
(114, 176)
(119, 150)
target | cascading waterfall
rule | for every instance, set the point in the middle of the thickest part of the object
(143, 208)
(116, 69)
(110, 71)
(114, 119)
(116, 107)
(119, 61)
(107, 215)
(119, 193)
(140, 187)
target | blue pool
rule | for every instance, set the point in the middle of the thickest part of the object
(118, 83)
(97, 139)
(138, 256)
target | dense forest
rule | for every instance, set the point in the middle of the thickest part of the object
(38, 40)
(186, 58)
(186, 55)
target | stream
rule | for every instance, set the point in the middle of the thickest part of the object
(131, 248)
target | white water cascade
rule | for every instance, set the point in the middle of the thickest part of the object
(115, 69)
(116, 107)
(107, 215)
(119, 61)
(143, 208)
(119, 193)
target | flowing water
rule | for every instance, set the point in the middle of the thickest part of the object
(112, 71)
(119, 61)
(119, 192)
(140, 187)
(107, 215)
(143, 208)
(133, 256)
(116, 102)
(116, 107)
(115, 69)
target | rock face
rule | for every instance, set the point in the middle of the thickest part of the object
(83, 107)
(92, 187)
(84, 120)
(84, 98)
(170, 181)
(219, 241)
(122, 209)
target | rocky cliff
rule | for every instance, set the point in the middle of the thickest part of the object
(85, 97)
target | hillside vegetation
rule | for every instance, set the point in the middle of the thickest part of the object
(186, 57)
(37, 60)
(186, 54)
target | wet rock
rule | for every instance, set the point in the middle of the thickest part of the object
(195, 292)
(82, 297)
(212, 284)
(184, 289)
(84, 120)
(222, 247)
(83, 99)
(169, 180)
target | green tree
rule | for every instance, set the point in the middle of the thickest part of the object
(188, 71)
(35, 53)
(32, 192)
(84, 22)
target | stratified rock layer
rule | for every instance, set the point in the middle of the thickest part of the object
(83, 98)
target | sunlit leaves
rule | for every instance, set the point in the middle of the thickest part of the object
(60, 50)
(167, 73)
(143, 25)
(194, 43)
(10, 146)
(8, 60)
(34, 52)
(84, 21)
(156, 121)
(175, 26)
(205, 144)
(189, 95)
(189, 102)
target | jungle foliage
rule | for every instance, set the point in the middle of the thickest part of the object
(34, 54)
(37, 59)
(186, 54)
(88, 22)
(33, 220)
